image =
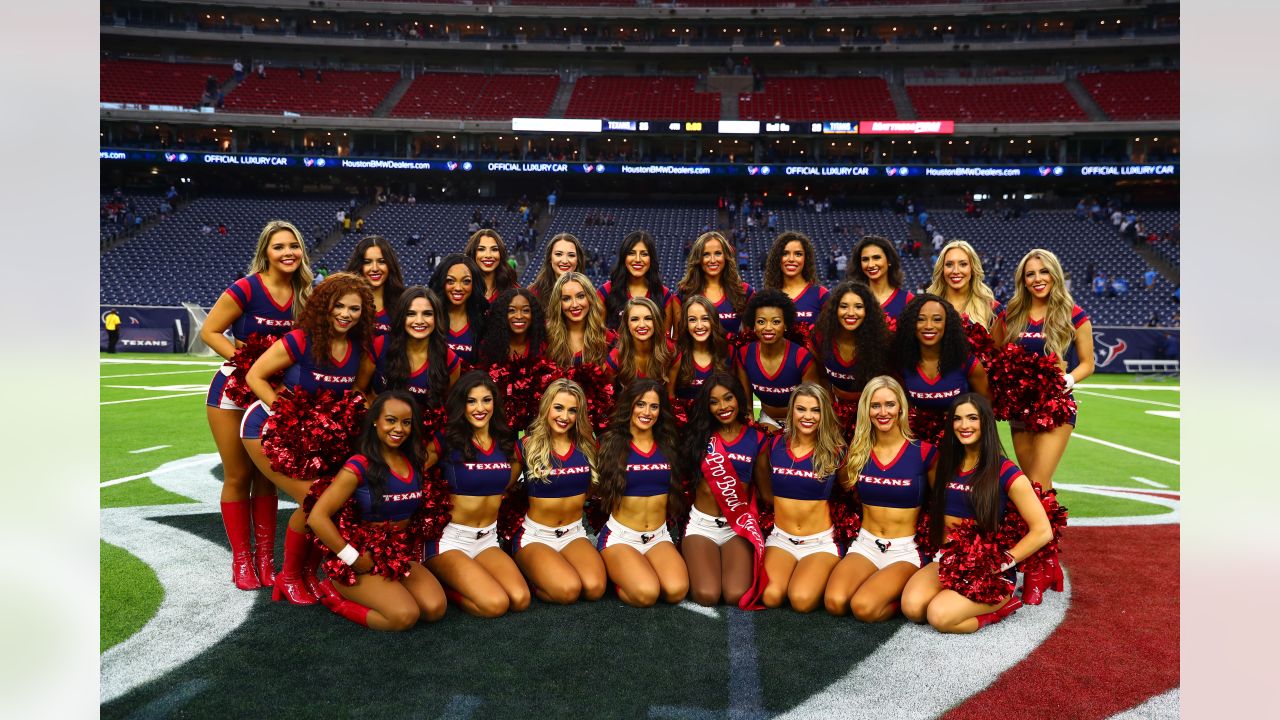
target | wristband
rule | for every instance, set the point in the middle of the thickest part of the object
(1008, 561)
(349, 554)
(1069, 379)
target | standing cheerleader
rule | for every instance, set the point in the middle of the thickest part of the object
(712, 272)
(575, 324)
(414, 356)
(794, 474)
(640, 490)
(515, 329)
(455, 281)
(792, 268)
(772, 366)
(375, 261)
(323, 353)
(720, 561)
(701, 349)
(891, 473)
(958, 278)
(635, 274)
(877, 264)
(385, 478)
(558, 455)
(249, 308)
(489, 253)
(641, 350)
(476, 456)
(851, 340)
(564, 254)
(975, 482)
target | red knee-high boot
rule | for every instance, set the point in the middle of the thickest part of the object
(290, 582)
(349, 609)
(1055, 578)
(311, 570)
(996, 616)
(235, 518)
(264, 537)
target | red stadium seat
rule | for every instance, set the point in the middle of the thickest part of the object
(478, 97)
(1019, 102)
(341, 93)
(642, 98)
(1147, 95)
(156, 83)
(818, 99)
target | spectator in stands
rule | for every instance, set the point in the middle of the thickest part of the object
(841, 264)
(1099, 284)
(346, 223)
(206, 228)
(1082, 211)
(111, 321)
(1149, 279)
(1153, 320)
(262, 70)
(1119, 287)
(772, 222)
(238, 69)
(319, 76)
(551, 203)
(359, 224)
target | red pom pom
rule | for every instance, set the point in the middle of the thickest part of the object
(927, 425)
(924, 539)
(1013, 528)
(742, 338)
(799, 333)
(847, 414)
(681, 407)
(521, 381)
(597, 514)
(970, 565)
(515, 505)
(310, 435)
(845, 514)
(598, 387)
(236, 388)
(1028, 387)
(981, 345)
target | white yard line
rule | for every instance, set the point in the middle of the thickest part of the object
(115, 361)
(1130, 450)
(1136, 400)
(1145, 481)
(151, 374)
(149, 449)
(208, 460)
(160, 397)
(1104, 386)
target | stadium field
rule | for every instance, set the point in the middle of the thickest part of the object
(179, 640)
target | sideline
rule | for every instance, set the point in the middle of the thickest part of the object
(1133, 451)
(166, 372)
(125, 361)
(1104, 386)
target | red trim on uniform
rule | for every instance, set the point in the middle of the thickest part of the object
(566, 456)
(741, 433)
(920, 372)
(897, 456)
(781, 365)
(345, 357)
(397, 475)
(642, 453)
(267, 291)
(793, 456)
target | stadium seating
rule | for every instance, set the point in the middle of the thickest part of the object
(478, 97)
(1146, 95)
(156, 83)
(641, 98)
(818, 99)
(342, 93)
(1021, 102)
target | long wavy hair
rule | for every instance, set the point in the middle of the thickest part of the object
(504, 276)
(894, 276)
(697, 432)
(694, 281)
(616, 444)
(620, 275)
(476, 305)
(773, 263)
(595, 347)
(954, 348)
(393, 285)
(985, 495)
(316, 315)
(545, 280)
(302, 277)
(1058, 330)
(774, 298)
(717, 341)
(864, 434)
(870, 338)
(979, 300)
(495, 344)
(397, 345)
(659, 361)
(538, 462)
(458, 431)
(367, 444)
(829, 446)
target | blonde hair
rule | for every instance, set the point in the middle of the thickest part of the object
(659, 361)
(594, 346)
(302, 277)
(863, 436)
(979, 299)
(1058, 330)
(829, 444)
(537, 441)
(695, 283)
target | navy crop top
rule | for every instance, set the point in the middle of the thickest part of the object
(958, 490)
(901, 483)
(401, 497)
(570, 474)
(647, 474)
(488, 474)
(792, 477)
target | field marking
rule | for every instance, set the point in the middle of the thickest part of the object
(1133, 451)
(1173, 517)
(166, 372)
(699, 609)
(167, 467)
(1136, 400)
(114, 361)
(1145, 481)
(1175, 414)
(149, 449)
(188, 387)
(1174, 388)
(1164, 705)
(158, 397)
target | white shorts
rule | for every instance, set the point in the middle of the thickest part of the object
(615, 533)
(217, 396)
(557, 538)
(716, 529)
(470, 540)
(882, 553)
(801, 546)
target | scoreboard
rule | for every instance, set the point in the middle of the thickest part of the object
(734, 127)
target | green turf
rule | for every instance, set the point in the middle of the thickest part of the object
(1080, 505)
(139, 492)
(129, 592)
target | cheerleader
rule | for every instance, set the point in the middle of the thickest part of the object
(635, 274)
(558, 454)
(851, 340)
(877, 264)
(564, 254)
(516, 328)
(375, 261)
(890, 472)
(323, 353)
(280, 269)
(958, 278)
(641, 351)
(794, 475)
(701, 349)
(476, 454)
(385, 478)
(712, 272)
(772, 366)
(489, 253)
(975, 481)
(720, 562)
(932, 354)
(455, 282)
(792, 268)
(414, 356)
(640, 490)
(575, 326)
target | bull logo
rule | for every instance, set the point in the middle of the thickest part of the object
(1105, 352)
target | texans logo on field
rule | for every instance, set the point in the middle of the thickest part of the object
(451, 165)
(1105, 352)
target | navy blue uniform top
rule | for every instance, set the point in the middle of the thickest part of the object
(647, 474)
(901, 483)
(840, 373)
(662, 303)
(959, 487)
(401, 497)
(938, 392)
(418, 381)
(570, 474)
(775, 390)
(463, 343)
(725, 311)
(809, 303)
(488, 474)
(337, 374)
(381, 323)
(1032, 336)
(897, 302)
(700, 375)
(742, 451)
(259, 312)
(792, 477)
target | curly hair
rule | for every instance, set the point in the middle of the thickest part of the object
(774, 298)
(1058, 330)
(476, 305)
(316, 315)
(659, 361)
(368, 445)
(504, 276)
(397, 370)
(595, 348)
(495, 344)
(697, 432)
(394, 283)
(773, 263)
(302, 277)
(953, 349)
(458, 430)
(829, 444)
(694, 281)
(870, 338)
(985, 495)
(894, 276)
(864, 432)
(615, 445)
(546, 278)
(979, 301)
(620, 276)
(538, 462)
